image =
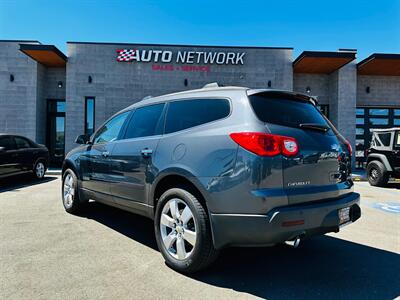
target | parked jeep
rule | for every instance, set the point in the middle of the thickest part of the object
(383, 156)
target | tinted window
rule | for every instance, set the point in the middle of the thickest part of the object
(22, 143)
(189, 113)
(360, 111)
(378, 112)
(146, 121)
(7, 142)
(360, 131)
(376, 121)
(111, 130)
(281, 110)
(385, 138)
(89, 116)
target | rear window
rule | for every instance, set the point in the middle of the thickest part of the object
(284, 110)
(189, 113)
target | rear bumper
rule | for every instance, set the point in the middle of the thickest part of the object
(282, 223)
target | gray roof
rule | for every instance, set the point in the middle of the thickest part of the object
(213, 87)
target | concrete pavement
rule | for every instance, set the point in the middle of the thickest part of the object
(46, 253)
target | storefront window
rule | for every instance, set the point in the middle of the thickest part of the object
(376, 121)
(359, 131)
(379, 112)
(397, 112)
(324, 108)
(360, 121)
(360, 111)
(89, 115)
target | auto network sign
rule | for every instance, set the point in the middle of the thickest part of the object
(181, 57)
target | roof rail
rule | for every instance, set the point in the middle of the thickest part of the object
(146, 97)
(211, 85)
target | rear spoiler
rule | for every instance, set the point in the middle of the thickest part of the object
(299, 96)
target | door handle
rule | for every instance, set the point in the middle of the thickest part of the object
(105, 153)
(146, 152)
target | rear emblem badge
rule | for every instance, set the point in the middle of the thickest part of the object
(299, 183)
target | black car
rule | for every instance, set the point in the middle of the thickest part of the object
(383, 156)
(20, 155)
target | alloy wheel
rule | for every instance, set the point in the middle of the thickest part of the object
(69, 191)
(178, 229)
(39, 170)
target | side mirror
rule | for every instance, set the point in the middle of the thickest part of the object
(82, 139)
(2, 149)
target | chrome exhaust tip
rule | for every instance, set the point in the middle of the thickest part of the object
(293, 243)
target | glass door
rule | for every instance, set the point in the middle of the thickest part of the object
(56, 131)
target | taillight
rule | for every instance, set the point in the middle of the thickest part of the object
(349, 147)
(265, 144)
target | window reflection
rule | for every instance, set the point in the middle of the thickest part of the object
(360, 111)
(89, 116)
(360, 131)
(377, 121)
(379, 111)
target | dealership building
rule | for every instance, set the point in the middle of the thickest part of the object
(52, 97)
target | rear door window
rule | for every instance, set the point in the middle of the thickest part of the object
(146, 121)
(190, 113)
(7, 142)
(285, 110)
(22, 143)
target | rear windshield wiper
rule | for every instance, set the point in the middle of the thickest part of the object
(314, 126)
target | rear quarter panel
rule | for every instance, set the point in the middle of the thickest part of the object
(227, 173)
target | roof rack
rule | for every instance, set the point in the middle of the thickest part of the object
(211, 85)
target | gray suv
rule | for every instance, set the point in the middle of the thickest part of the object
(218, 167)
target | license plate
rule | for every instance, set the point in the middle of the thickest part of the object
(344, 215)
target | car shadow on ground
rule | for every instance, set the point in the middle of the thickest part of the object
(323, 267)
(393, 185)
(17, 182)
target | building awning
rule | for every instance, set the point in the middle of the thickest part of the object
(47, 55)
(380, 64)
(321, 62)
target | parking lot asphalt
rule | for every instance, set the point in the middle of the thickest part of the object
(46, 253)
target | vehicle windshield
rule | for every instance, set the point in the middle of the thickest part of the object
(285, 110)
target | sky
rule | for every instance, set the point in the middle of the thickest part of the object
(368, 26)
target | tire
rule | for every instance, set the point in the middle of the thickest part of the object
(199, 250)
(377, 174)
(39, 169)
(70, 195)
